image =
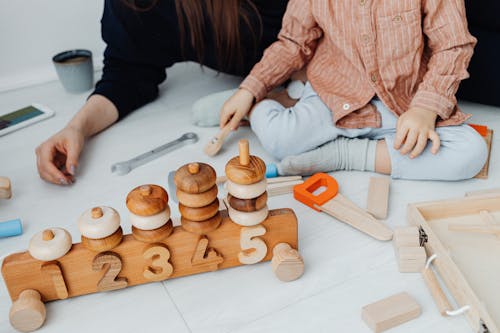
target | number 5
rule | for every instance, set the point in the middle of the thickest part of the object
(254, 249)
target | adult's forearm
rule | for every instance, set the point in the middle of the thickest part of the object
(97, 114)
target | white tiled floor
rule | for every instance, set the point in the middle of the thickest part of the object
(344, 268)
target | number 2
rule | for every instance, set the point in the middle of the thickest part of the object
(110, 280)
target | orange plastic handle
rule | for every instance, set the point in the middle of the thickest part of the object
(305, 192)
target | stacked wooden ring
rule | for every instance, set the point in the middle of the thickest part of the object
(50, 244)
(197, 194)
(100, 228)
(149, 213)
(246, 186)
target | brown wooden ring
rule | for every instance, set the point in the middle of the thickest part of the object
(247, 205)
(155, 235)
(147, 200)
(252, 173)
(103, 244)
(196, 183)
(202, 228)
(198, 200)
(199, 214)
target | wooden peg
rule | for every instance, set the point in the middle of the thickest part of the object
(5, 188)
(287, 264)
(96, 212)
(28, 312)
(53, 271)
(193, 168)
(378, 197)
(244, 152)
(411, 259)
(390, 312)
(47, 235)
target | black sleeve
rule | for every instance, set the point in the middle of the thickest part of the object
(134, 59)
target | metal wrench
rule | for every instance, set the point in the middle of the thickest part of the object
(122, 168)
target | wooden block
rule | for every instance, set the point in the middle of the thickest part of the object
(275, 189)
(199, 213)
(411, 259)
(492, 192)
(378, 197)
(483, 174)
(390, 312)
(287, 264)
(248, 205)
(28, 312)
(21, 271)
(5, 188)
(195, 178)
(406, 236)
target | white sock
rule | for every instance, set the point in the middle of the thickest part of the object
(339, 154)
(206, 111)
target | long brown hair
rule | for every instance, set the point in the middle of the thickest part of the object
(224, 16)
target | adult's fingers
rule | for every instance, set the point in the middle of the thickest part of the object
(46, 168)
(420, 146)
(411, 140)
(436, 142)
(401, 133)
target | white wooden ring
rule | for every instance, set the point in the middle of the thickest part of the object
(47, 250)
(150, 222)
(248, 219)
(246, 191)
(101, 227)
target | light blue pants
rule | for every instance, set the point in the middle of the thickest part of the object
(309, 124)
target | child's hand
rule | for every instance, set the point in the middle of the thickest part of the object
(414, 128)
(235, 108)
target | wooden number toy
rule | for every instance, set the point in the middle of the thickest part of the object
(338, 206)
(5, 188)
(107, 260)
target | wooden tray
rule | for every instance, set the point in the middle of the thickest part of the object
(468, 263)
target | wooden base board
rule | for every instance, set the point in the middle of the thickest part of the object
(483, 174)
(133, 262)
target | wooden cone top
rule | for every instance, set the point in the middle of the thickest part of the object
(245, 169)
(147, 200)
(195, 178)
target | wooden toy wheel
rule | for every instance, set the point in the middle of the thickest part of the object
(28, 312)
(287, 263)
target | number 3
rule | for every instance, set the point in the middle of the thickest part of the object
(254, 249)
(160, 268)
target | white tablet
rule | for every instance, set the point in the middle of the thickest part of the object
(15, 120)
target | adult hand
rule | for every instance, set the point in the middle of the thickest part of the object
(57, 158)
(413, 129)
(235, 108)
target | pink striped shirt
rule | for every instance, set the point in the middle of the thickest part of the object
(409, 53)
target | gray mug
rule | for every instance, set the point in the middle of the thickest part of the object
(75, 70)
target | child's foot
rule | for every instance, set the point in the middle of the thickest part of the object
(339, 154)
(206, 111)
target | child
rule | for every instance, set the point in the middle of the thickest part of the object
(382, 74)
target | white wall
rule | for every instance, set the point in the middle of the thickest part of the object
(32, 31)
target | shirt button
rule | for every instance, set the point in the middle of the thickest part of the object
(346, 106)
(365, 38)
(374, 77)
(397, 18)
(362, 2)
